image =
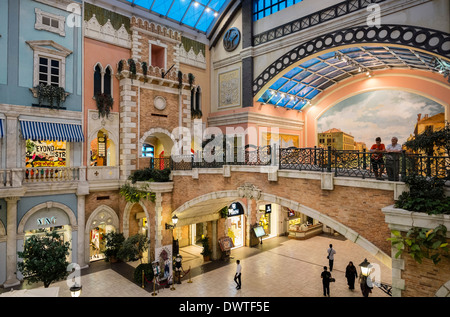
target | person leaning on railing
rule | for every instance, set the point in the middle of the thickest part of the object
(393, 151)
(376, 159)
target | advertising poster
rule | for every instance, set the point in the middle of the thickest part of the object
(45, 154)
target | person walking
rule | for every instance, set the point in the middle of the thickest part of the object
(351, 274)
(330, 257)
(237, 276)
(326, 279)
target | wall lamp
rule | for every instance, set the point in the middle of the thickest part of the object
(174, 221)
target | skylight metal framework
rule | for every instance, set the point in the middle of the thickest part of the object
(297, 87)
(198, 15)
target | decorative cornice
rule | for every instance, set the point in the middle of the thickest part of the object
(257, 118)
(107, 33)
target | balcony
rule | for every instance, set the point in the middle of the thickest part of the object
(49, 179)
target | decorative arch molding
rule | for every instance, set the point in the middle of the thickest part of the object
(126, 218)
(164, 135)
(418, 38)
(250, 191)
(47, 205)
(102, 213)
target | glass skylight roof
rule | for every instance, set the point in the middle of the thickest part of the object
(199, 14)
(295, 88)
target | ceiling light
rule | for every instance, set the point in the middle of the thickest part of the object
(216, 14)
(195, 3)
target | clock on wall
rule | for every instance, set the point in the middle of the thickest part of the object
(231, 39)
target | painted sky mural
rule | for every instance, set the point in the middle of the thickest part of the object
(383, 113)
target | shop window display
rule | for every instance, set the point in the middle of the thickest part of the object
(97, 241)
(102, 150)
(41, 156)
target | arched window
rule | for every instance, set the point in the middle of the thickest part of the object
(107, 81)
(198, 98)
(97, 79)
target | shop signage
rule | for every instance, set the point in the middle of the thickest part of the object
(268, 208)
(235, 209)
(46, 221)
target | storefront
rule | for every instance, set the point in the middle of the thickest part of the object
(268, 215)
(97, 241)
(301, 226)
(50, 220)
(235, 224)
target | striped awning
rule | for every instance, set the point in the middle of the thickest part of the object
(51, 131)
(2, 131)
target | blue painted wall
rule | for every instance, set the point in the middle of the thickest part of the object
(26, 203)
(17, 19)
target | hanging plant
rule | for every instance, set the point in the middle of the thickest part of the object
(120, 66)
(422, 243)
(52, 94)
(134, 195)
(132, 66)
(144, 70)
(104, 104)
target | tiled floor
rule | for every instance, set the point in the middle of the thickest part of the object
(280, 267)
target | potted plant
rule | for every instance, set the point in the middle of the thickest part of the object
(114, 241)
(206, 249)
(133, 248)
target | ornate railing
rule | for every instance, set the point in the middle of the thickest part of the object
(314, 19)
(347, 163)
(50, 174)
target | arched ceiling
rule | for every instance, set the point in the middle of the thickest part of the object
(199, 14)
(296, 88)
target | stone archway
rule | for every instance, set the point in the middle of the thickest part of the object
(126, 218)
(191, 210)
(166, 138)
(102, 214)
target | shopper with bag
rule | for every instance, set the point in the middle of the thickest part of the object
(331, 252)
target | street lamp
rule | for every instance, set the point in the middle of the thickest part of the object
(75, 290)
(174, 221)
(364, 278)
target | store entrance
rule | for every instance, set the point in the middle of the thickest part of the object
(235, 224)
(97, 241)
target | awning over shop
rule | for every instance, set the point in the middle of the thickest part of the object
(51, 131)
(1, 128)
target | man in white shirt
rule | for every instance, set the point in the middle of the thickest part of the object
(393, 151)
(330, 257)
(237, 276)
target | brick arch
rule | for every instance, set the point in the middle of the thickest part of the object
(255, 193)
(126, 217)
(167, 139)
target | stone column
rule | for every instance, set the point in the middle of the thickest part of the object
(215, 242)
(11, 242)
(158, 221)
(81, 210)
(12, 141)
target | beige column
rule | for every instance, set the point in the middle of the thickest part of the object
(81, 207)
(215, 242)
(12, 141)
(11, 242)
